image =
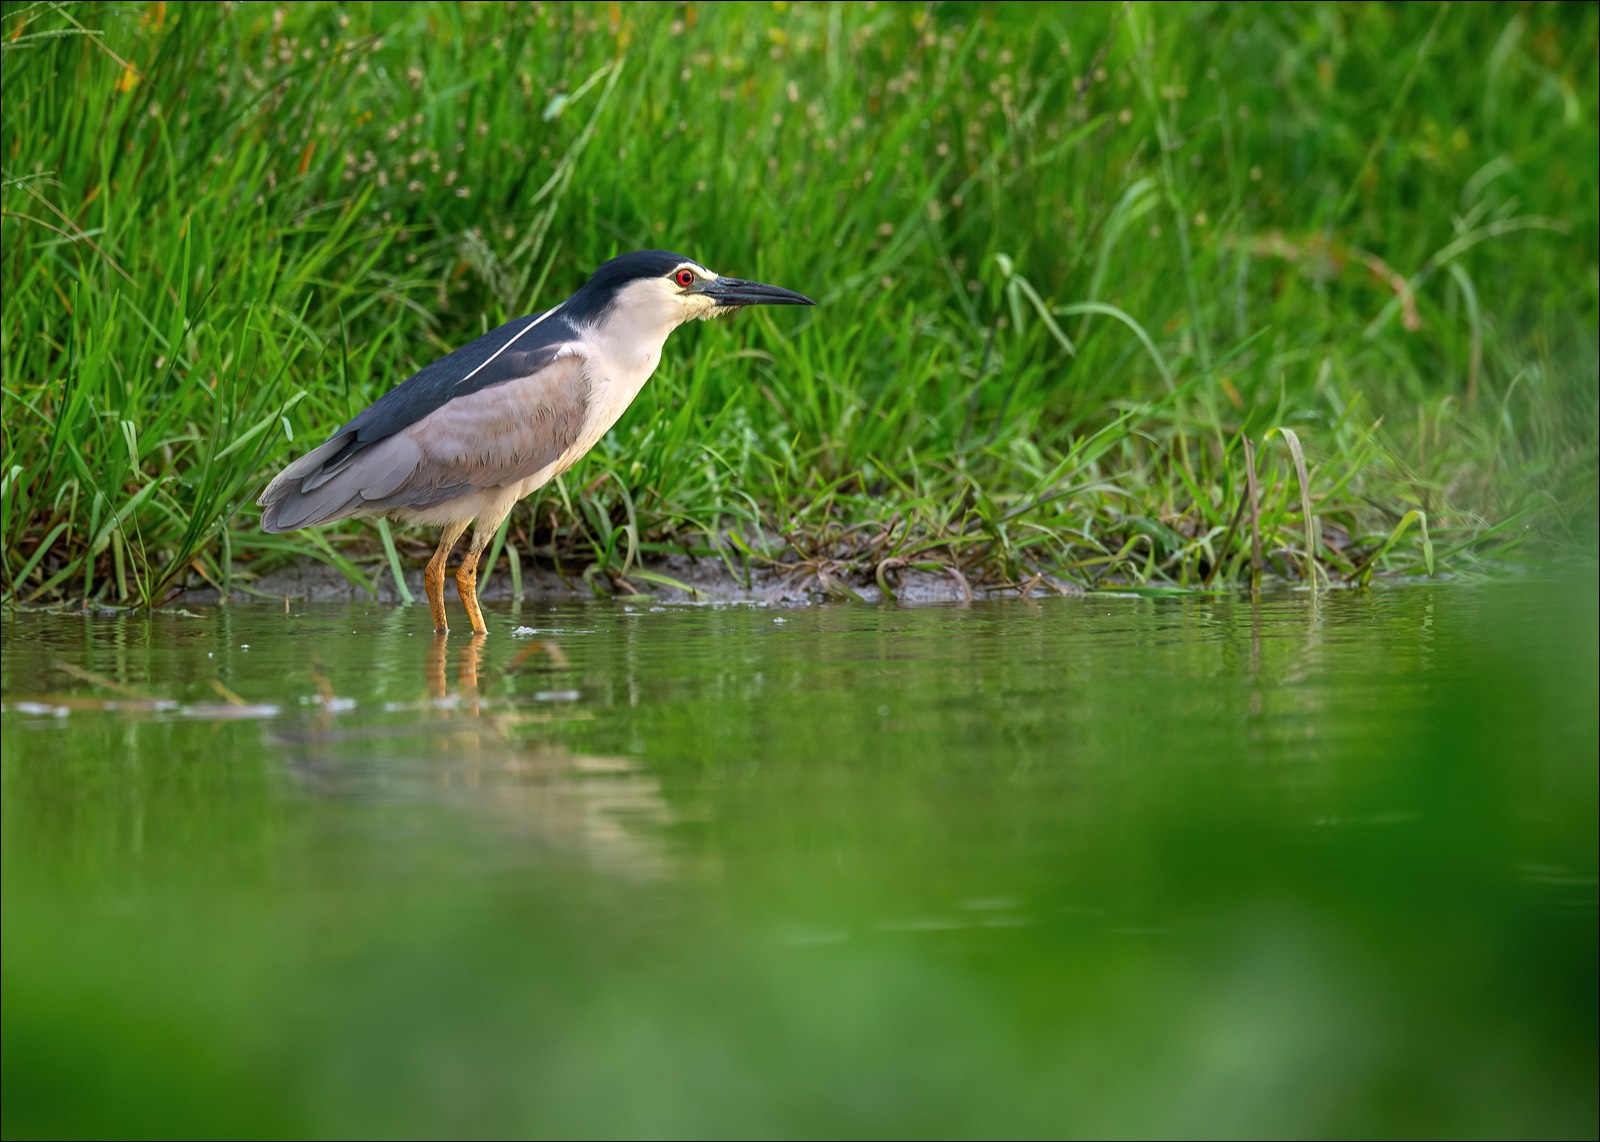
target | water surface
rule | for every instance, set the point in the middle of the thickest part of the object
(1309, 865)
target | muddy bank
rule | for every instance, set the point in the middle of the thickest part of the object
(706, 580)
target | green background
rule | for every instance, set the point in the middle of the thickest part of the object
(1070, 258)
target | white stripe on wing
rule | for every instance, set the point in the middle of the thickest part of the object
(512, 341)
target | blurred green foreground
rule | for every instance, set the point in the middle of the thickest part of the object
(1107, 867)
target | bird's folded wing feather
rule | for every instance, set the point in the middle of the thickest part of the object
(491, 438)
(504, 422)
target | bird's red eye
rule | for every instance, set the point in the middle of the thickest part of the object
(685, 278)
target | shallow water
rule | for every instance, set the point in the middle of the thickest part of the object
(1310, 866)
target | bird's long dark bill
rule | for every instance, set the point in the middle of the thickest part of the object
(732, 291)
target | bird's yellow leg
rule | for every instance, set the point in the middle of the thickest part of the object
(433, 583)
(433, 576)
(467, 587)
(467, 574)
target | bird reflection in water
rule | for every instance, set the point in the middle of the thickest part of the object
(469, 658)
(476, 740)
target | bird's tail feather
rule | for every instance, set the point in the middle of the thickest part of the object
(333, 482)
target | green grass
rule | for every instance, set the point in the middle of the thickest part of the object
(1077, 267)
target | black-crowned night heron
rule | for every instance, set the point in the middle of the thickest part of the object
(478, 430)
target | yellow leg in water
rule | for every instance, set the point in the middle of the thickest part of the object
(467, 586)
(433, 577)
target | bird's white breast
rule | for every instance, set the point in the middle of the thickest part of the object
(622, 352)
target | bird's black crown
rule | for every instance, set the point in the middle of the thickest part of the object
(601, 288)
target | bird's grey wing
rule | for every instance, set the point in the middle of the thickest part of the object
(492, 438)
(468, 422)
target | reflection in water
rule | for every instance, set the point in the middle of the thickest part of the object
(471, 657)
(1279, 865)
(487, 755)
